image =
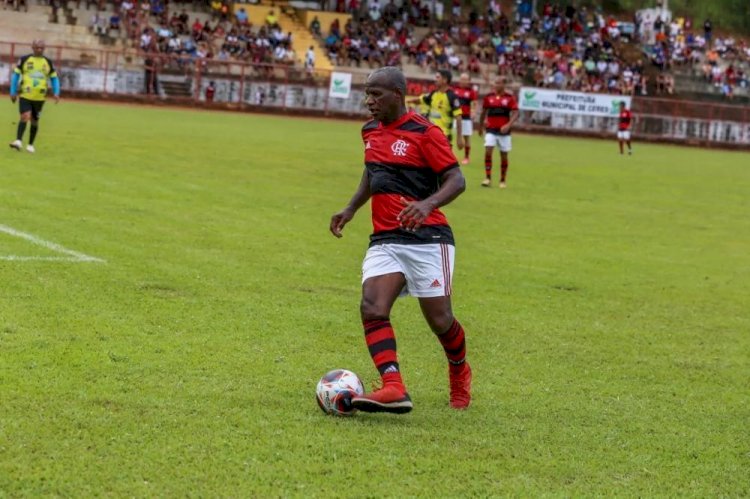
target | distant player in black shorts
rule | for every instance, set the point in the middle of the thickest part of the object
(29, 82)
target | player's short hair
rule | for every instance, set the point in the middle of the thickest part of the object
(447, 75)
(393, 76)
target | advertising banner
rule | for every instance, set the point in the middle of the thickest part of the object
(561, 101)
(341, 85)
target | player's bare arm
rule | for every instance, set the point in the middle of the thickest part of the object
(415, 212)
(513, 117)
(482, 118)
(340, 219)
(459, 133)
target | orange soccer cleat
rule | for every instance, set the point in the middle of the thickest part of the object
(461, 387)
(390, 398)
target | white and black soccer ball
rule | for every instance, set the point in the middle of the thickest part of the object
(335, 391)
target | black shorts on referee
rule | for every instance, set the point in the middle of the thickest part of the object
(31, 106)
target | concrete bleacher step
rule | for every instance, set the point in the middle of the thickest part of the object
(301, 36)
(23, 27)
(303, 39)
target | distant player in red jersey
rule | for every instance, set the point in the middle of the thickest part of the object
(466, 96)
(410, 172)
(623, 128)
(210, 91)
(499, 112)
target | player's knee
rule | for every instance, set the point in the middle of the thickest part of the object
(371, 311)
(26, 117)
(440, 321)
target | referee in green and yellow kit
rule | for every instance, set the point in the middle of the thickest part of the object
(29, 85)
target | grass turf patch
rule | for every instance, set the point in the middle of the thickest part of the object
(604, 298)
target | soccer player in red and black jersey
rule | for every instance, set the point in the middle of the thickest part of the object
(623, 128)
(410, 172)
(466, 96)
(499, 112)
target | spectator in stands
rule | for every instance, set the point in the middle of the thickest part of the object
(98, 24)
(127, 7)
(310, 61)
(197, 28)
(157, 8)
(271, 19)
(373, 10)
(708, 31)
(216, 9)
(150, 76)
(114, 22)
(241, 16)
(315, 26)
(210, 91)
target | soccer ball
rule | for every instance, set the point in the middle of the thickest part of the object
(335, 391)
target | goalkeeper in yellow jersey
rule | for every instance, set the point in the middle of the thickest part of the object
(28, 84)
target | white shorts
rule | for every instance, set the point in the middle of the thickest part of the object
(623, 134)
(502, 142)
(467, 127)
(428, 268)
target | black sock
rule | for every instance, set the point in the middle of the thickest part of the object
(32, 133)
(21, 130)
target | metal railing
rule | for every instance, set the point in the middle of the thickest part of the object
(183, 79)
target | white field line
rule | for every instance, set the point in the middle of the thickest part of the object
(73, 256)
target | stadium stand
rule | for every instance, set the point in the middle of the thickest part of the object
(566, 48)
(558, 47)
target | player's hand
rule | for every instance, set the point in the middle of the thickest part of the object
(339, 220)
(413, 214)
(13, 99)
(460, 143)
(505, 129)
(480, 131)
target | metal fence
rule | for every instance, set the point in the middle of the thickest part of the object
(184, 79)
(695, 123)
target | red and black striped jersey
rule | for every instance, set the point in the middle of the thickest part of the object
(498, 109)
(465, 97)
(406, 159)
(625, 119)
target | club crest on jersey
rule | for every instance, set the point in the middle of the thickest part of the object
(399, 147)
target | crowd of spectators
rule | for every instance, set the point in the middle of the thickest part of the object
(560, 47)
(674, 44)
(224, 36)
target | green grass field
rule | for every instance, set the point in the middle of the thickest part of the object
(605, 300)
